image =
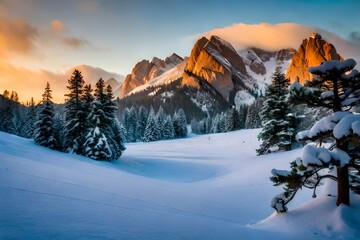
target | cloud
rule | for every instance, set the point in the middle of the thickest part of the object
(75, 43)
(89, 6)
(282, 35)
(17, 36)
(263, 35)
(354, 37)
(30, 83)
(57, 26)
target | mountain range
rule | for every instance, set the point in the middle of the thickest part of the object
(237, 76)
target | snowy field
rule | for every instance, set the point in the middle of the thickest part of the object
(201, 187)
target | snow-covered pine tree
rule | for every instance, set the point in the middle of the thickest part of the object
(180, 123)
(30, 119)
(214, 125)
(114, 129)
(160, 121)
(151, 131)
(103, 140)
(96, 145)
(125, 121)
(75, 118)
(131, 125)
(334, 88)
(278, 131)
(87, 99)
(59, 129)
(222, 121)
(44, 127)
(242, 115)
(253, 119)
(168, 129)
(232, 121)
(141, 123)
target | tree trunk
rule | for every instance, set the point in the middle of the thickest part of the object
(343, 186)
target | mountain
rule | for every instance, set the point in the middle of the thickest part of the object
(213, 64)
(312, 52)
(216, 62)
(145, 71)
(93, 74)
(211, 79)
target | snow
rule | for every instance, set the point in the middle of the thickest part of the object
(345, 126)
(202, 187)
(324, 125)
(243, 97)
(165, 78)
(315, 156)
(327, 94)
(337, 65)
(277, 172)
(295, 86)
(340, 155)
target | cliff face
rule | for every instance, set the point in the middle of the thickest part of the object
(312, 52)
(216, 62)
(144, 71)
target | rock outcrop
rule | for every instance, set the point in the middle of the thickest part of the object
(216, 62)
(312, 52)
(145, 71)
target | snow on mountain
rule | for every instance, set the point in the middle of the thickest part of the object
(166, 78)
(215, 62)
(201, 187)
(145, 71)
(261, 64)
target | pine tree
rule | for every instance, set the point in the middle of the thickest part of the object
(160, 121)
(242, 115)
(131, 125)
(87, 99)
(278, 131)
(96, 145)
(180, 124)
(152, 132)
(114, 129)
(126, 123)
(168, 129)
(141, 123)
(59, 129)
(103, 140)
(232, 121)
(253, 119)
(44, 132)
(75, 118)
(336, 89)
(29, 124)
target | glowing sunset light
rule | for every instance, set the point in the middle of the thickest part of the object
(43, 41)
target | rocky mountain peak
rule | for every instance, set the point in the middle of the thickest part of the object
(312, 52)
(173, 60)
(217, 63)
(145, 71)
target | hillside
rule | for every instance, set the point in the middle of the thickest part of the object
(201, 187)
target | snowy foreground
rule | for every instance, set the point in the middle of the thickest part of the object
(202, 187)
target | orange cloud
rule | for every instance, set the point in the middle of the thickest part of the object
(28, 83)
(57, 26)
(16, 36)
(279, 36)
(263, 35)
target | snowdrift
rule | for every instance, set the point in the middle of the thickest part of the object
(201, 187)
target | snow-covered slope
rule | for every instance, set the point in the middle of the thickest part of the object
(166, 78)
(201, 187)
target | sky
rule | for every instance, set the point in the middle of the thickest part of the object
(40, 40)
